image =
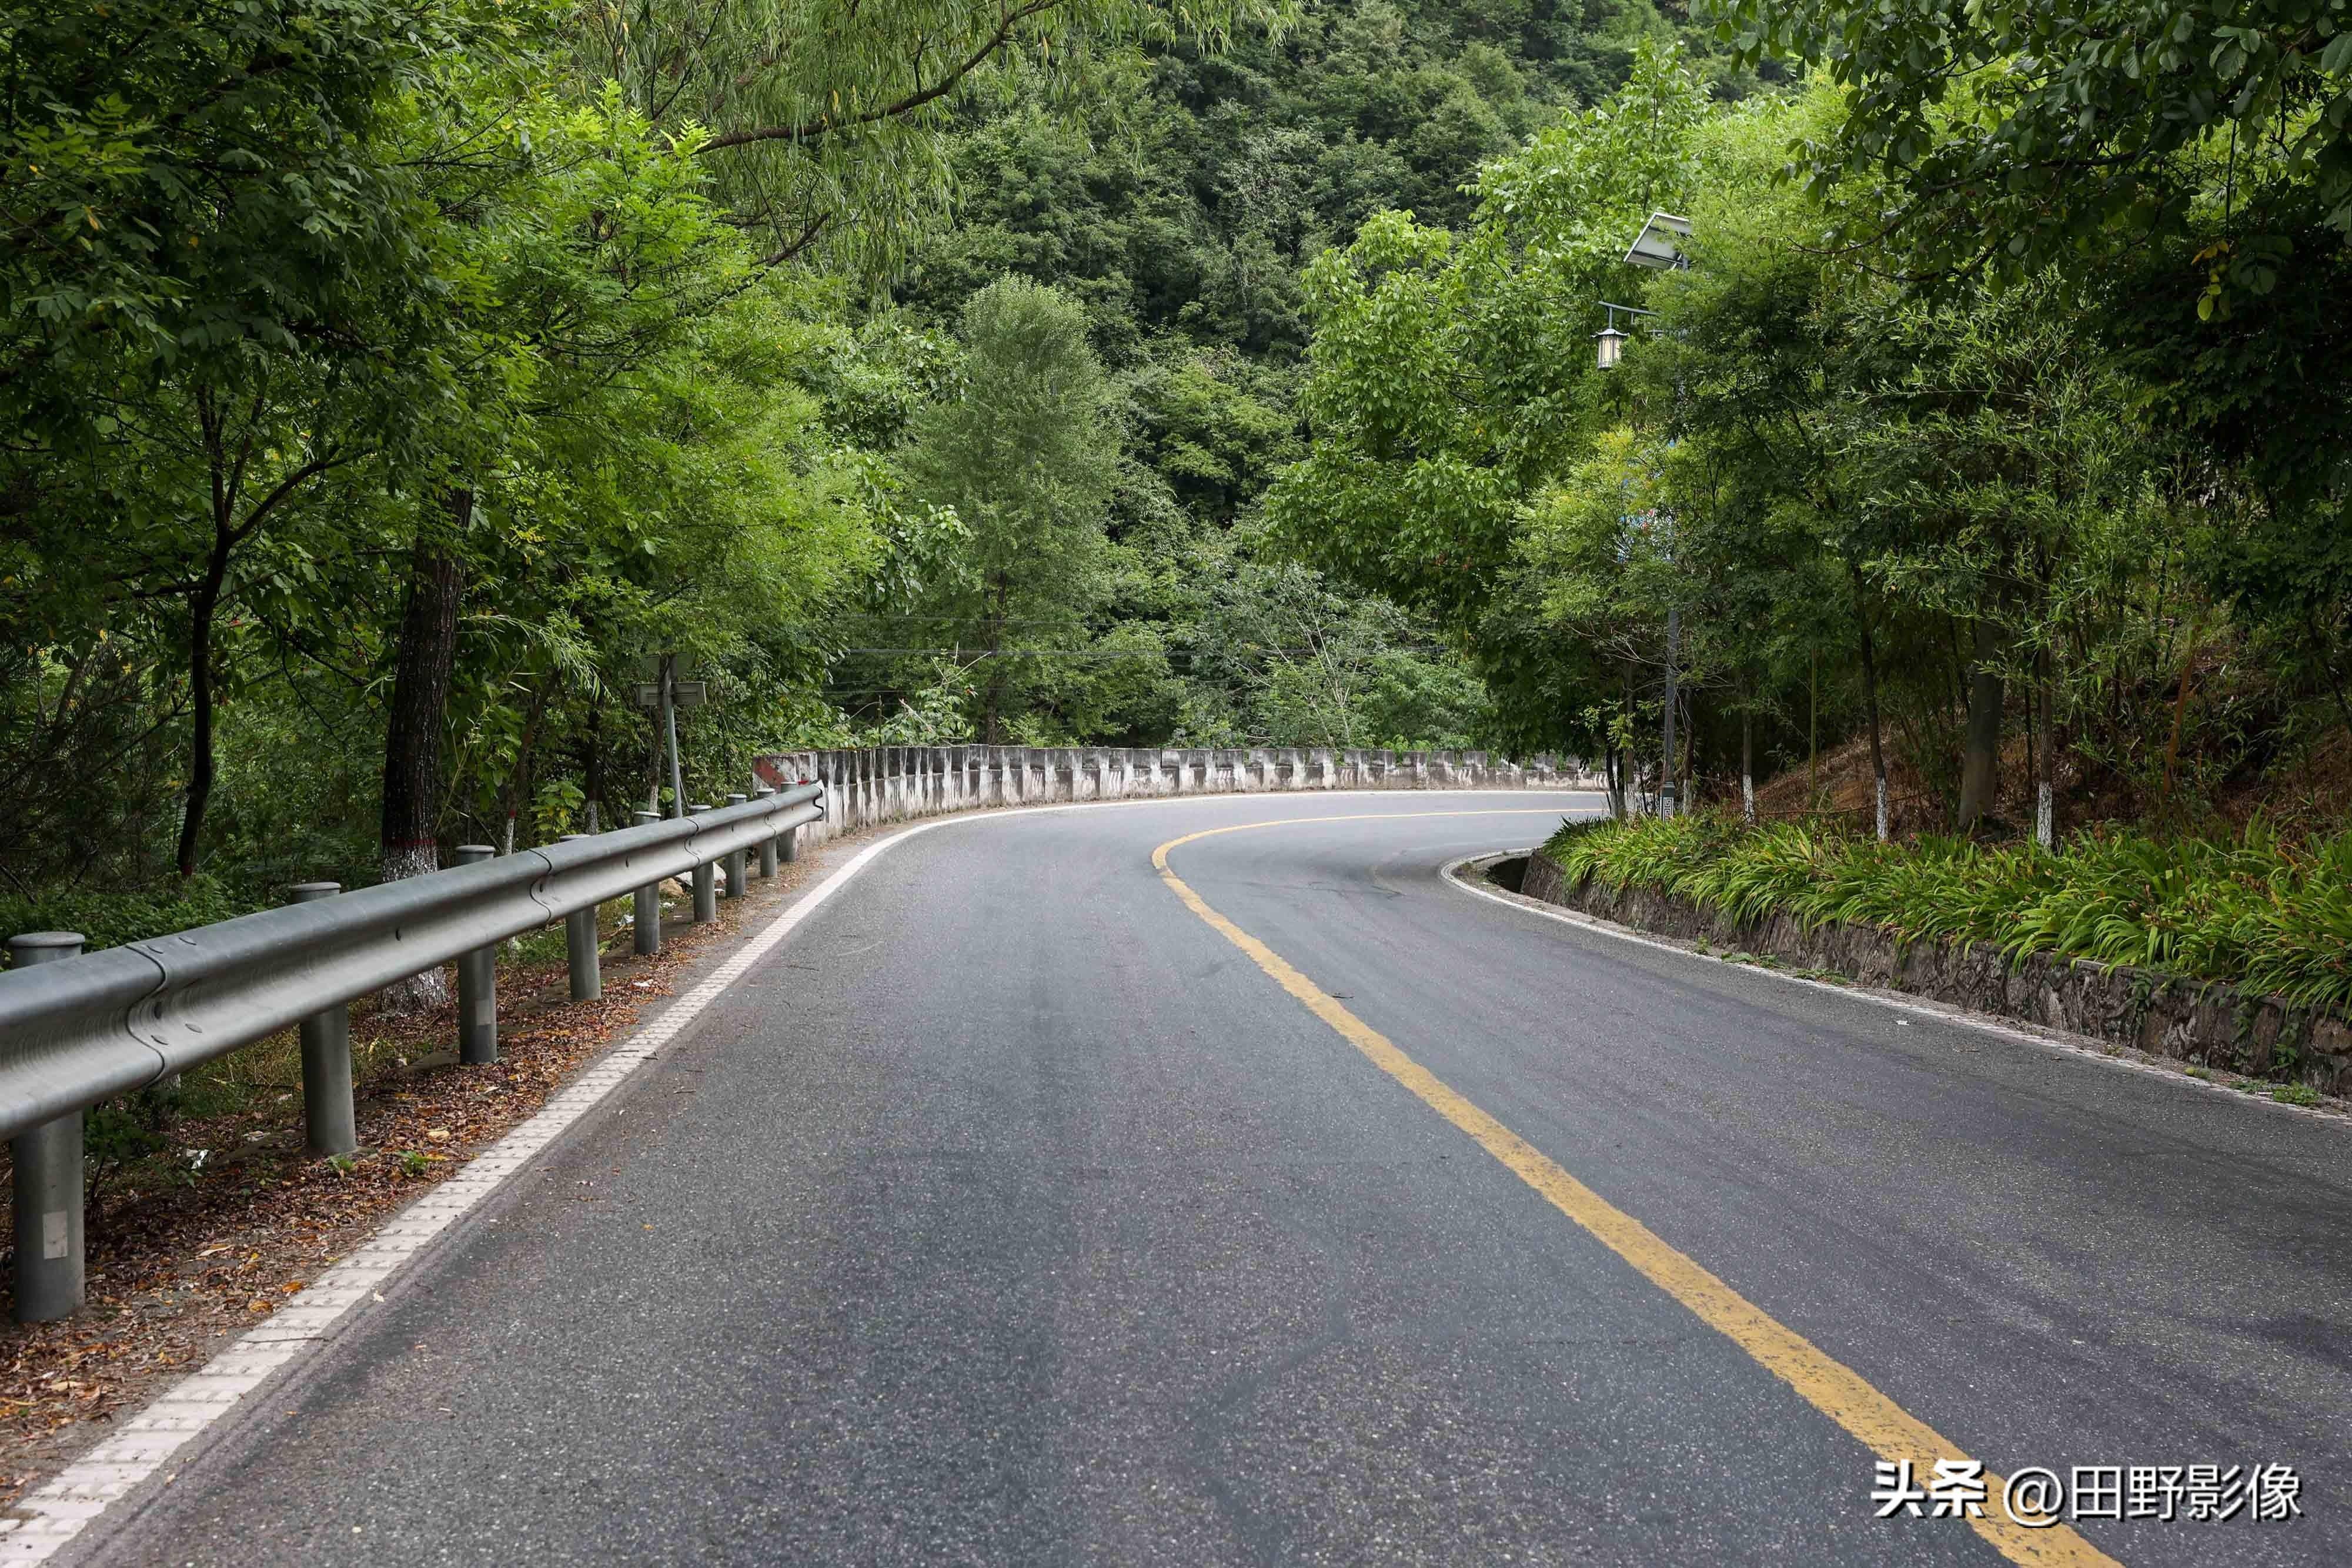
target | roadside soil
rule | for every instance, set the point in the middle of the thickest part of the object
(214, 1219)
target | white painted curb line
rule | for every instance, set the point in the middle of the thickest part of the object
(2079, 1046)
(49, 1517)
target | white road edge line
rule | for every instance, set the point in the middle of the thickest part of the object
(2079, 1046)
(52, 1515)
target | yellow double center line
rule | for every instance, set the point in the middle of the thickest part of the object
(1828, 1384)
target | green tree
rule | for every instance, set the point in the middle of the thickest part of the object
(1027, 454)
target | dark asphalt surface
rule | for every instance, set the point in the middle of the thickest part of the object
(1008, 1214)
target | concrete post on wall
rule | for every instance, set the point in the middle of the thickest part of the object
(825, 769)
(477, 985)
(48, 1180)
(645, 907)
(706, 879)
(328, 1123)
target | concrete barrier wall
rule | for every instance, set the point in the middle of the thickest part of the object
(900, 783)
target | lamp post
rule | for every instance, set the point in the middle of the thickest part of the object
(1658, 248)
(1609, 343)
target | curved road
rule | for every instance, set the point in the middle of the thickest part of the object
(1028, 1206)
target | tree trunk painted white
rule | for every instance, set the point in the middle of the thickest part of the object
(418, 993)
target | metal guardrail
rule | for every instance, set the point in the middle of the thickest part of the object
(77, 1029)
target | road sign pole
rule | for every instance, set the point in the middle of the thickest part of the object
(669, 729)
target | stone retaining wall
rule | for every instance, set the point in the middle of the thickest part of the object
(2211, 1023)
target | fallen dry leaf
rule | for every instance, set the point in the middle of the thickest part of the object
(178, 1257)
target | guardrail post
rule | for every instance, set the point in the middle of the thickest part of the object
(646, 906)
(706, 883)
(49, 1182)
(768, 844)
(328, 1123)
(737, 883)
(477, 986)
(581, 948)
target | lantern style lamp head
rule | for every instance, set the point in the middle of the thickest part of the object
(1610, 344)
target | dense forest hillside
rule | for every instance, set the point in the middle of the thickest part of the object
(1134, 372)
(376, 421)
(1178, 206)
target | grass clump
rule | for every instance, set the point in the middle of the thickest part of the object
(2268, 914)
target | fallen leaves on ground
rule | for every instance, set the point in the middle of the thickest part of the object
(186, 1253)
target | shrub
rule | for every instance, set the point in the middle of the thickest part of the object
(2258, 911)
(111, 919)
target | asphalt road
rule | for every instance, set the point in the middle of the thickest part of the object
(1010, 1213)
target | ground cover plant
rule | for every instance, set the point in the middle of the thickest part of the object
(2259, 910)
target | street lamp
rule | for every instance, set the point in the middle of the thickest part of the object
(1659, 248)
(1609, 341)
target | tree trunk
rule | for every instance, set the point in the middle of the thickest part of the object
(1747, 758)
(591, 767)
(991, 733)
(517, 789)
(1870, 705)
(2180, 716)
(425, 665)
(1813, 735)
(1629, 764)
(1669, 760)
(203, 606)
(1685, 784)
(1980, 756)
(2046, 794)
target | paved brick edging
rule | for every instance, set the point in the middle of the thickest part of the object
(2209, 1022)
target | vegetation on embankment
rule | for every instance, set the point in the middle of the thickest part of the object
(2269, 915)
